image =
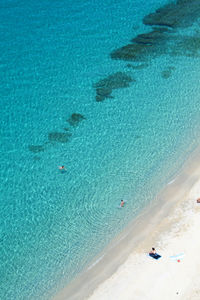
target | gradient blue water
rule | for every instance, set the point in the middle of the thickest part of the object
(52, 52)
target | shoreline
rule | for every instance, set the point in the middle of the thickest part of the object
(145, 231)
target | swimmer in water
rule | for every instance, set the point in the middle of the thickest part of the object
(122, 203)
(62, 168)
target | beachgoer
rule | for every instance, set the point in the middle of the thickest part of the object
(122, 203)
(61, 167)
(153, 254)
(153, 251)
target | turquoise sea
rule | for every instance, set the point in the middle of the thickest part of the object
(121, 127)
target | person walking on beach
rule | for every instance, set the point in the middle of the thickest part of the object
(122, 203)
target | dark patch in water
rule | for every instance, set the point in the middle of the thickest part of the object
(153, 37)
(180, 14)
(75, 119)
(59, 137)
(36, 148)
(162, 40)
(138, 67)
(162, 29)
(167, 73)
(103, 93)
(105, 86)
(133, 52)
(135, 27)
(186, 46)
(36, 158)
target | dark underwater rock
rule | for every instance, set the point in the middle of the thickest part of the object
(167, 73)
(105, 86)
(114, 81)
(75, 119)
(162, 40)
(183, 13)
(137, 67)
(36, 148)
(174, 45)
(151, 37)
(144, 45)
(59, 137)
(186, 46)
(36, 158)
(133, 52)
(164, 16)
(103, 93)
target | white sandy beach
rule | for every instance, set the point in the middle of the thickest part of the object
(141, 277)
(173, 229)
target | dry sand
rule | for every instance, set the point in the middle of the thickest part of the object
(172, 226)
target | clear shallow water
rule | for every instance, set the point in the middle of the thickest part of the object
(52, 224)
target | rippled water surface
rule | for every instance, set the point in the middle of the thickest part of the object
(121, 127)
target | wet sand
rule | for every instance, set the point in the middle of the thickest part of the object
(171, 224)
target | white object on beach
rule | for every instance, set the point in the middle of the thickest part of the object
(177, 256)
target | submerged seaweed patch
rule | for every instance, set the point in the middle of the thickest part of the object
(105, 86)
(137, 67)
(36, 158)
(36, 148)
(138, 137)
(174, 45)
(102, 93)
(144, 46)
(75, 119)
(133, 52)
(186, 46)
(153, 37)
(161, 40)
(59, 137)
(180, 14)
(167, 73)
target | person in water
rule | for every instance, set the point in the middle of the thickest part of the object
(122, 203)
(62, 168)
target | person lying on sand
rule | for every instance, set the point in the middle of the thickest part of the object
(153, 254)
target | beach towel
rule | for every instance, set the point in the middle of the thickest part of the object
(177, 256)
(155, 256)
